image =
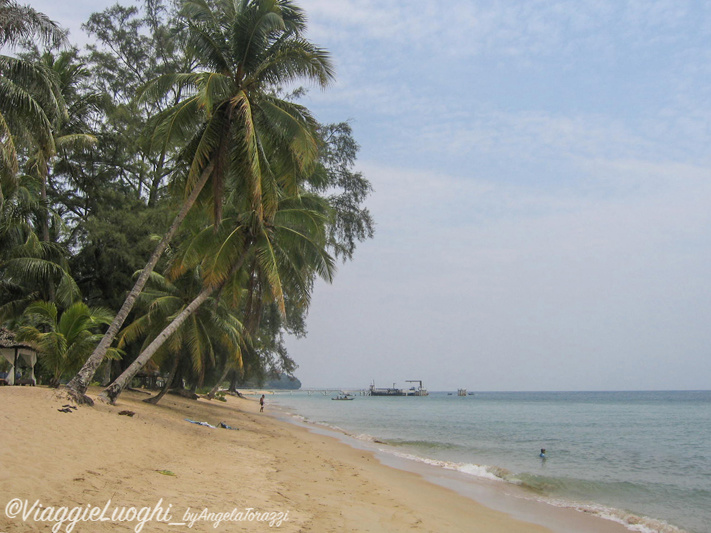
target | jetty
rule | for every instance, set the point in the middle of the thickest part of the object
(394, 391)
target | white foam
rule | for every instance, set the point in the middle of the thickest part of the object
(635, 523)
(632, 522)
(480, 471)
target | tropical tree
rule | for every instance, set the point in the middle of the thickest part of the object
(28, 269)
(283, 255)
(69, 133)
(210, 334)
(63, 341)
(131, 47)
(20, 23)
(345, 189)
(231, 117)
(29, 98)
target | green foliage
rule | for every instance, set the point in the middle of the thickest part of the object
(98, 149)
(63, 341)
(211, 334)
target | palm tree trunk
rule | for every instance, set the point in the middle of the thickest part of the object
(45, 234)
(168, 383)
(79, 383)
(110, 393)
(211, 394)
(233, 384)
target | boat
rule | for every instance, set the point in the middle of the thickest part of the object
(345, 396)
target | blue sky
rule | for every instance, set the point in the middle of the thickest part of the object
(542, 180)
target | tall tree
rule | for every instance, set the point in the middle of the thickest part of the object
(69, 131)
(29, 98)
(212, 333)
(284, 256)
(248, 49)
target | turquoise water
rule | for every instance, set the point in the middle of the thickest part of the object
(645, 453)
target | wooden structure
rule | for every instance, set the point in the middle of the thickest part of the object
(15, 353)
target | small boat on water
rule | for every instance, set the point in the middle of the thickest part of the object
(345, 396)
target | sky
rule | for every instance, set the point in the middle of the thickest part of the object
(542, 193)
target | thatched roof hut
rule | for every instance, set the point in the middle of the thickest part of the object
(15, 353)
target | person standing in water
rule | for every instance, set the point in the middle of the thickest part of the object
(543, 453)
(261, 404)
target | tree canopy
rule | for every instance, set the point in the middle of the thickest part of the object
(169, 164)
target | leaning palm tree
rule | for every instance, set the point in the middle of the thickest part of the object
(288, 252)
(63, 341)
(230, 117)
(211, 331)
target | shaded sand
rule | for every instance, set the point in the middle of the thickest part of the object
(91, 455)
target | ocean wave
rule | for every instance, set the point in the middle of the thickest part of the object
(537, 487)
(632, 522)
(483, 471)
(423, 444)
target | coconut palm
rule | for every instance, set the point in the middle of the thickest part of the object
(19, 23)
(29, 97)
(28, 270)
(230, 118)
(29, 265)
(67, 134)
(63, 341)
(286, 254)
(207, 334)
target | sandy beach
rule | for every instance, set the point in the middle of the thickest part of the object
(160, 472)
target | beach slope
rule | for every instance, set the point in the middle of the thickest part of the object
(155, 471)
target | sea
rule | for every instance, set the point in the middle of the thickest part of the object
(642, 459)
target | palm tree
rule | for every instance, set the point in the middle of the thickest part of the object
(212, 331)
(62, 341)
(28, 269)
(69, 130)
(29, 265)
(19, 23)
(285, 254)
(67, 134)
(230, 117)
(29, 97)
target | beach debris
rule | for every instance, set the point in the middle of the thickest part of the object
(67, 406)
(65, 410)
(127, 413)
(225, 426)
(200, 423)
(166, 472)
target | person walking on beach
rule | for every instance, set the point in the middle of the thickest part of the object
(261, 404)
